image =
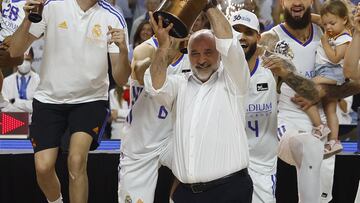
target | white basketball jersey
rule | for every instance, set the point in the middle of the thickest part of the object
(261, 120)
(149, 124)
(12, 15)
(304, 60)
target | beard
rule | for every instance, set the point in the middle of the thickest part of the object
(251, 51)
(297, 23)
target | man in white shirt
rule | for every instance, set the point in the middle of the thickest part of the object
(210, 153)
(74, 82)
(19, 87)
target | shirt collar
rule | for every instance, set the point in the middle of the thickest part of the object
(26, 75)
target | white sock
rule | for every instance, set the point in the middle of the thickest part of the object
(357, 199)
(57, 201)
(310, 150)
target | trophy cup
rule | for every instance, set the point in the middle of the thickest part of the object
(182, 13)
(35, 15)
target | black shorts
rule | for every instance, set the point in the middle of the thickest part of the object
(50, 121)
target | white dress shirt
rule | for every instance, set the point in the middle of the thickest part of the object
(10, 90)
(210, 140)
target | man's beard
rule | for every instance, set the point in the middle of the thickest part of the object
(251, 51)
(297, 23)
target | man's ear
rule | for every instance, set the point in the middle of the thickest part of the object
(281, 3)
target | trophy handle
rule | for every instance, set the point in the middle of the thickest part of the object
(179, 29)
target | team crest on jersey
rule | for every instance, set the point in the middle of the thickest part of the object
(139, 201)
(262, 87)
(96, 31)
(283, 48)
(128, 199)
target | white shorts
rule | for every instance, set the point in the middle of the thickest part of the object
(138, 177)
(264, 187)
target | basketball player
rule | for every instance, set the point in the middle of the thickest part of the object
(261, 116)
(298, 39)
(261, 110)
(147, 140)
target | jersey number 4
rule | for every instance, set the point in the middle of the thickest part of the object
(254, 126)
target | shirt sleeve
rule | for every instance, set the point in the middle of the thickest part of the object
(235, 65)
(167, 93)
(6, 90)
(345, 38)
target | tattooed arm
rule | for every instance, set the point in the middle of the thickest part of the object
(331, 91)
(339, 92)
(285, 69)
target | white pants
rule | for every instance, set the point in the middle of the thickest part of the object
(327, 179)
(321, 175)
(138, 176)
(264, 187)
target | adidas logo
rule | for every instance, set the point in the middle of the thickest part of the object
(96, 130)
(63, 25)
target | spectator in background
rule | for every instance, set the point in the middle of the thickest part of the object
(38, 49)
(138, 7)
(143, 33)
(343, 110)
(119, 110)
(19, 87)
(125, 9)
(151, 5)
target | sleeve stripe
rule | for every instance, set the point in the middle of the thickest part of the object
(109, 8)
(48, 1)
